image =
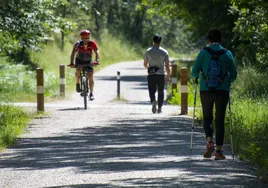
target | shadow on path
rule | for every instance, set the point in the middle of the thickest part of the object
(130, 146)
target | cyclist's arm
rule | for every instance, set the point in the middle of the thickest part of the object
(96, 51)
(73, 54)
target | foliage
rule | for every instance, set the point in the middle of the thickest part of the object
(198, 17)
(138, 22)
(15, 81)
(12, 121)
(251, 32)
(251, 83)
(243, 24)
(175, 98)
(250, 130)
(18, 82)
(25, 25)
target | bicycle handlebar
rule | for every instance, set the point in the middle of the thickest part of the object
(95, 63)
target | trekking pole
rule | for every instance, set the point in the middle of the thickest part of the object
(230, 120)
(191, 144)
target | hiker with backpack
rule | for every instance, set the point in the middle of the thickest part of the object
(82, 52)
(156, 61)
(216, 67)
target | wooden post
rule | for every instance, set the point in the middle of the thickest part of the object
(174, 79)
(118, 84)
(40, 89)
(184, 91)
(62, 80)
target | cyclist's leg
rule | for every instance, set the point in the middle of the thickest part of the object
(77, 75)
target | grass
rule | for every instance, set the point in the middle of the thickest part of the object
(250, 130)
(175, 97)
(15, 81)
(18, 82)
(13, 120)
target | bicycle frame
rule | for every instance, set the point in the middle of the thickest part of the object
(84, 83)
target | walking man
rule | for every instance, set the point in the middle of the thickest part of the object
(156, 61)
(214, 92)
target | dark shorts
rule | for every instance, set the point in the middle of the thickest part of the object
(81, 62)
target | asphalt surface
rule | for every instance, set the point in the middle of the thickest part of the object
(116, 143)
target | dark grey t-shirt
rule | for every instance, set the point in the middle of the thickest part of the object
(156, 56)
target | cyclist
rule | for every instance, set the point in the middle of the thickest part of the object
(82, 52)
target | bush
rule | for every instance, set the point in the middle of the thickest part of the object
(16, 80)
(12, 121)
(250, 130)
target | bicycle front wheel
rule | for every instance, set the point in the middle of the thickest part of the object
(84, 83)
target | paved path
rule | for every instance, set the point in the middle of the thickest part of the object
(116, 144)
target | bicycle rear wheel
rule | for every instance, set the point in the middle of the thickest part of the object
(84, 85)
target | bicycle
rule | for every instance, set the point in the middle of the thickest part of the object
(84, 81)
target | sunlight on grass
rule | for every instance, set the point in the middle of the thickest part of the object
(18, 82)
(12, 122)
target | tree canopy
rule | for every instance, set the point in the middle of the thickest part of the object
(26, 25)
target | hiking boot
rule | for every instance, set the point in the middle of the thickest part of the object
(91, 97)
(154, 106)
(78, 88)
(159, 111)
(219, 155)
(210, 149)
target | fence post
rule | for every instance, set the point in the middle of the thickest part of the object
(118, 84)
(40, 89)
(62, 80)
(174, 77)
(184, 90)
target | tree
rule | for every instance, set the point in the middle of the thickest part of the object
(26, 25)
(199, 17)
(251, 32)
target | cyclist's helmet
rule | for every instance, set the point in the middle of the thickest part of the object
(85, 33)
(157, 39)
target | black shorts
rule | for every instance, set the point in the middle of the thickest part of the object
(81, 62)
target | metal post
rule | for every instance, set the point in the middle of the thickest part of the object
(174, 79)
(184, 90)
(62, 80)
(118, 84)
(40, 89)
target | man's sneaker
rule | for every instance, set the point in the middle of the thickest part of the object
(159, 110)
(91, 97)
(78, 88)
(154, 106)
(209, 151)
(219, 155)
